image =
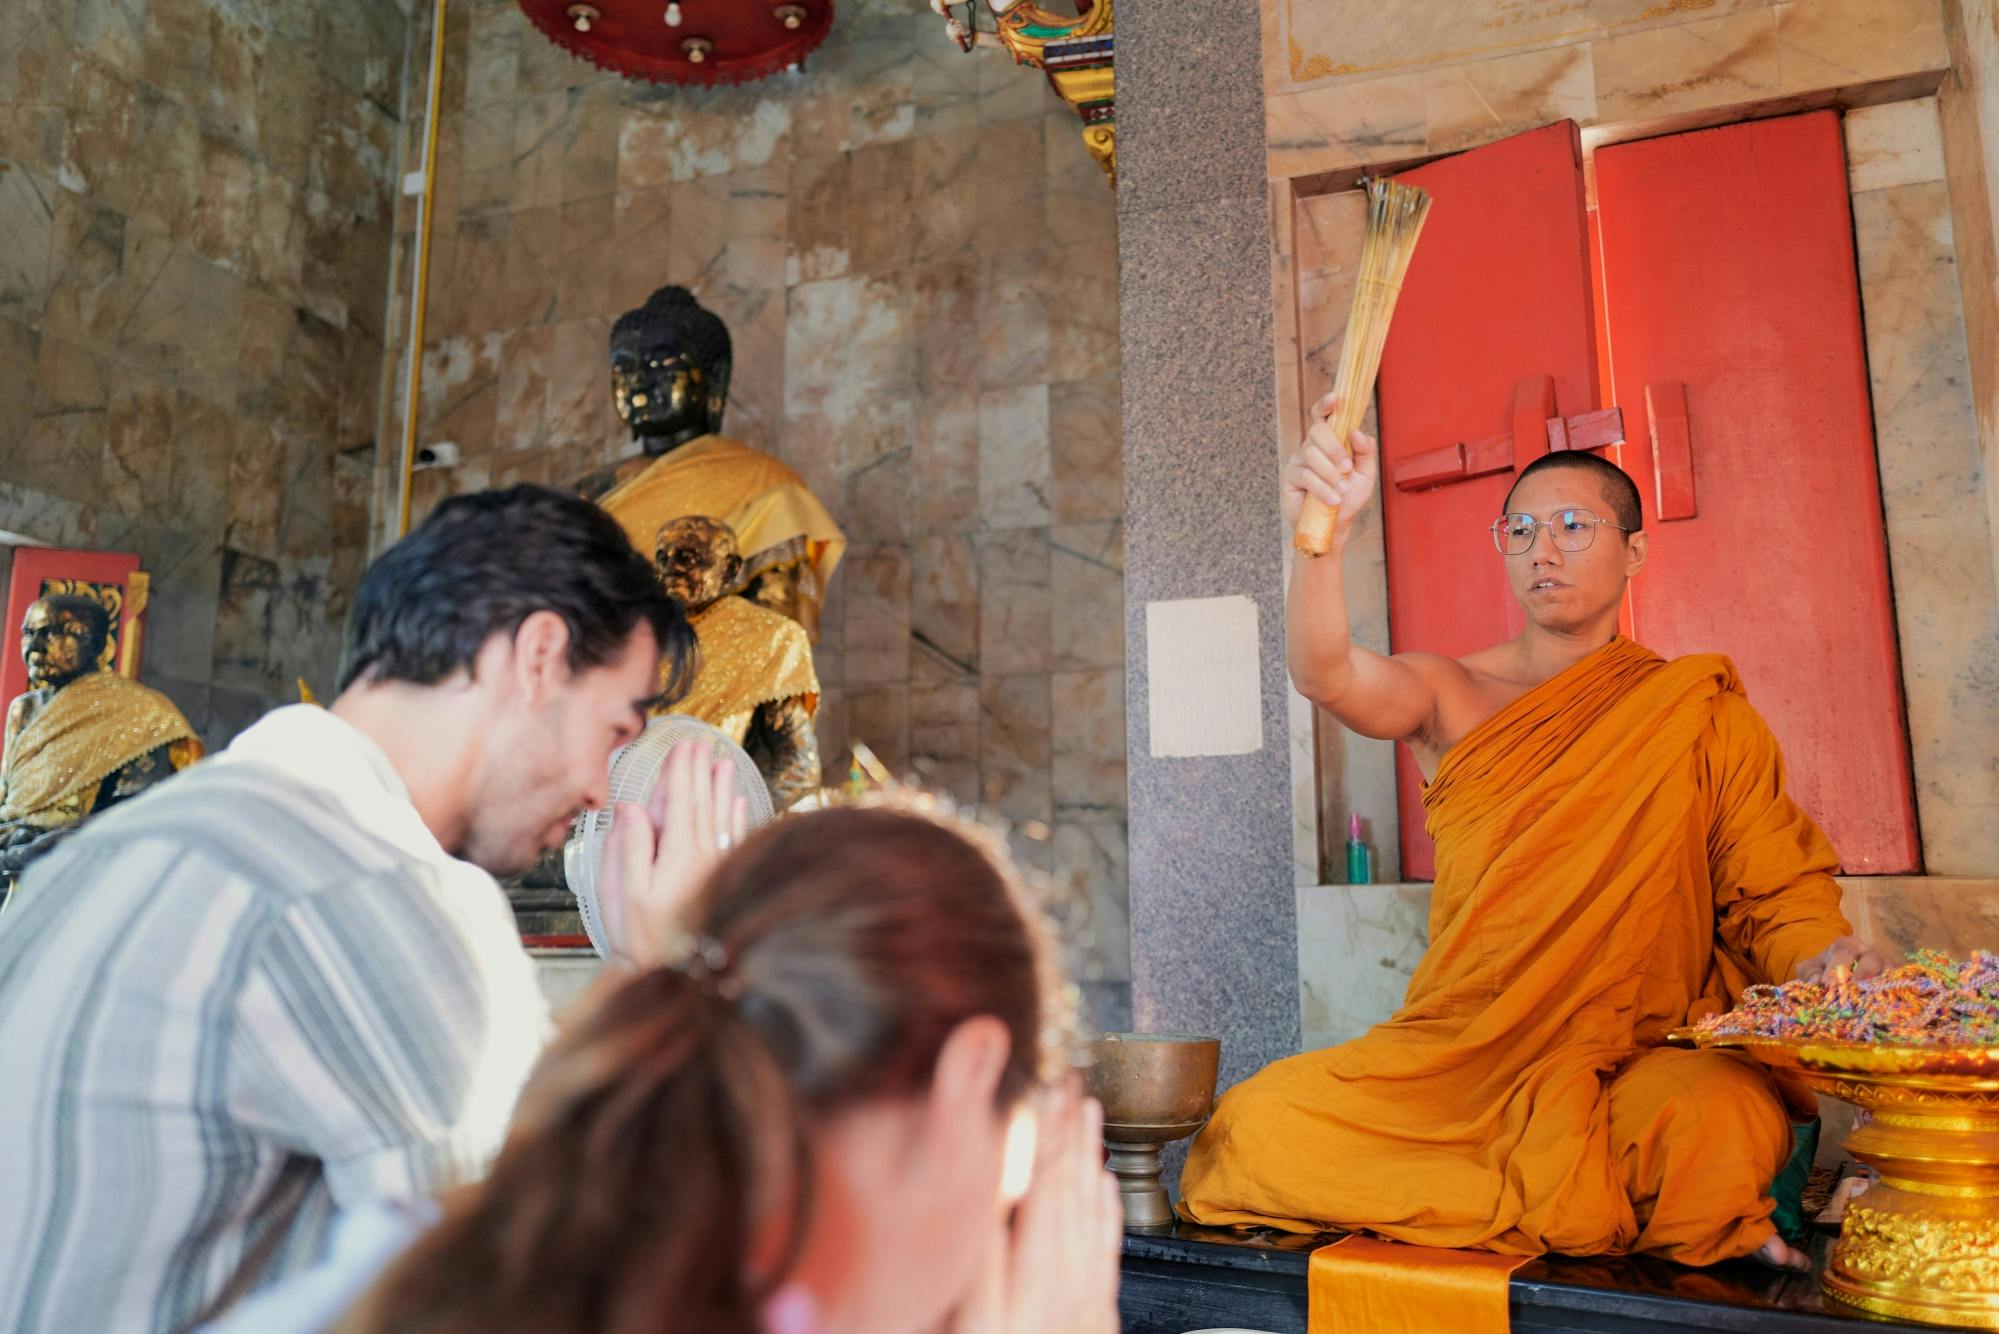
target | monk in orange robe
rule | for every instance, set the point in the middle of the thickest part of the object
(1616, 855)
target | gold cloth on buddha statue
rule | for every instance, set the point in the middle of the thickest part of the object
(750, 656)
(764, 501)
(88, 730)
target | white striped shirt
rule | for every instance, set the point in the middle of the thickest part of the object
(255, 995)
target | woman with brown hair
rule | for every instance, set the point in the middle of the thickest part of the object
(821, 1121)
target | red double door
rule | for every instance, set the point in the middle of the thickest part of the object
(1712, 298)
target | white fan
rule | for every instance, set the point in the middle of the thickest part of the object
(634, 771)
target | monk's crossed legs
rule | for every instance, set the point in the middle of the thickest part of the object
(1698, 1136)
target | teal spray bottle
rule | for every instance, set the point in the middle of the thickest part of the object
(1360, 863)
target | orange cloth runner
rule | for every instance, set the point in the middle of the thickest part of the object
(1616, 854)
(1359, 1285)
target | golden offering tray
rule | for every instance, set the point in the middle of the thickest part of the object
(1922, 1244)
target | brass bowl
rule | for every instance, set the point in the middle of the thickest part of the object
(1155, 1088)
(1923, 1243)
(1154, 1079)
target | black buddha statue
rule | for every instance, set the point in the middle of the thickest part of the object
(671, 364)
(672, 361)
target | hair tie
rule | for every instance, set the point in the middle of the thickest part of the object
(707, 964)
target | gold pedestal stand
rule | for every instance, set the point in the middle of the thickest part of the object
(1134, 1161)
(1923, 1243)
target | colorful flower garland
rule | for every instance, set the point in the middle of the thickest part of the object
(1930, 1001)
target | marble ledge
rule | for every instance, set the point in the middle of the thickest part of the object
(1359, 944)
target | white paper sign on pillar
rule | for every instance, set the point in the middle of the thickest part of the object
(1204, 692)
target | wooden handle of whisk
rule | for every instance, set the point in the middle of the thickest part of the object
(1318, 522)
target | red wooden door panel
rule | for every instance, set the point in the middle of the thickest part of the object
(1499, 291)
(1728, 268)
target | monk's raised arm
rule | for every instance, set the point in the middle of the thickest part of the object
(1390, 698)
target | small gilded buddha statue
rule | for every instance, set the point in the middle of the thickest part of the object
(755, 679)
(83, 738)
(670, 365)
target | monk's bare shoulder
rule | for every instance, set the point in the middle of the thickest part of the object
(1451, 684)
(1484, 683)
(1437, 670)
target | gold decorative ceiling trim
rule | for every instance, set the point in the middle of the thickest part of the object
(1027, 28)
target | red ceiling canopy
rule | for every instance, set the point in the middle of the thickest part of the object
(715, 41)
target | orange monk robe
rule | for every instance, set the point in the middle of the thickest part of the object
(1616, 854)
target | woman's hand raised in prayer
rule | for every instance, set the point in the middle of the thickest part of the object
(1343, 476)
(1866, 958)
(661, 852)
(1054, 1269)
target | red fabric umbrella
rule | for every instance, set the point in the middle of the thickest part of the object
(715, 41)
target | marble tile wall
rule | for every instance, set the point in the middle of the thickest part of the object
(1968, 104)
(195, 222)
(1932, 479)
(1359, 944)
(918, 263)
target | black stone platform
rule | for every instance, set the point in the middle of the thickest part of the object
(1204, 1278)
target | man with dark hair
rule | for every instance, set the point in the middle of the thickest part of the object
(1616, 856)
(285, 985)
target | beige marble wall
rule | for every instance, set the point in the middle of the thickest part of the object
(195, 221)
(1359, 944)
(1970, 112)
(1926, 431)
(917, 260)
(1350, 84)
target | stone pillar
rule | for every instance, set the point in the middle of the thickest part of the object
(1213, 914)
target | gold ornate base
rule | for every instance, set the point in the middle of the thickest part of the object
(1101, 140)
(1918, 1257)
(1923, 1244)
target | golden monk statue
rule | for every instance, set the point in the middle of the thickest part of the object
(83, 737)
(670, 366)
(755, 679)
(1616, 855)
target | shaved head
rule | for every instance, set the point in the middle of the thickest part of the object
(1618, 488)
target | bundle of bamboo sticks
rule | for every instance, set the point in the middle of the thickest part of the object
(1395, 214)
